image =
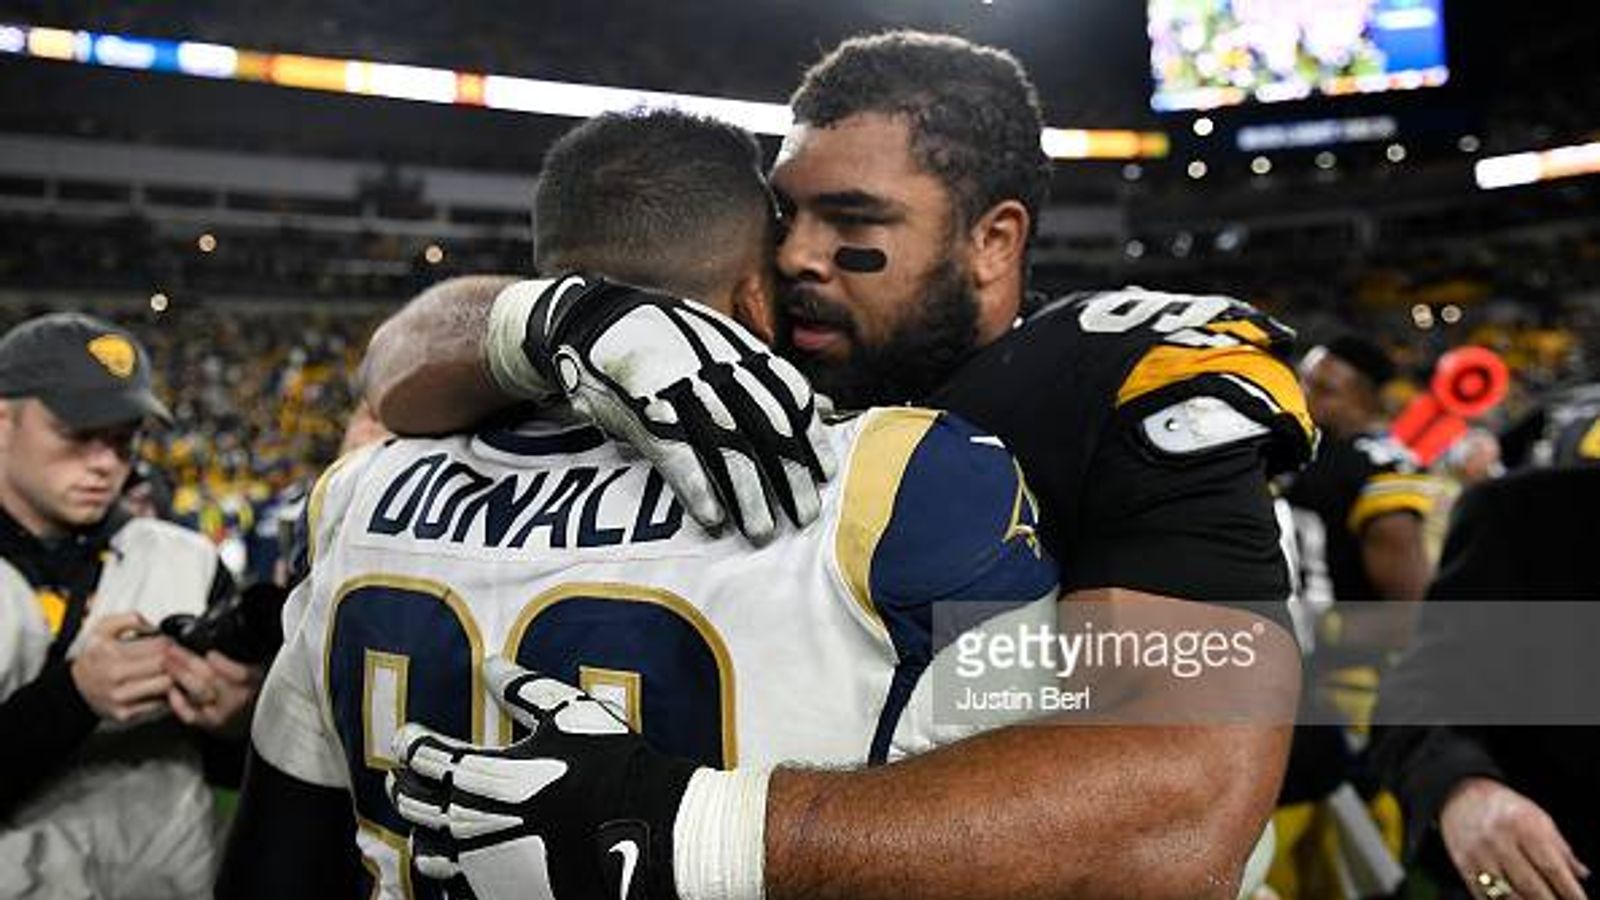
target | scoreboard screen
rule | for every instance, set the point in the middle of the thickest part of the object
(1206, 54)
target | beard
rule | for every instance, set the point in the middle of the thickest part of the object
(936, 337)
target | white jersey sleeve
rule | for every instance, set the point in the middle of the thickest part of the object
(290, 728)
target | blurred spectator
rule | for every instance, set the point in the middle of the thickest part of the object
(148, 492)
(259, 401)
(1497, 811)
(102, 791)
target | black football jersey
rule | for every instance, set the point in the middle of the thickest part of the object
(1352, 482)
(1148, 425)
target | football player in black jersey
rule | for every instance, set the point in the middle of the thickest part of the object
(1148, 423)
(1360, 507)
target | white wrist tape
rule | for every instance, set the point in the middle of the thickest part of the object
(509, 365)
(719, 847)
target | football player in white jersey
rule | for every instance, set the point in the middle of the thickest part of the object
(544, 543)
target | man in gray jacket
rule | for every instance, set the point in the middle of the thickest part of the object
(102, 792)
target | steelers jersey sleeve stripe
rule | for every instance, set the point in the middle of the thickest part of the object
(1257, 383)
(1392, 492)
(1243, 329)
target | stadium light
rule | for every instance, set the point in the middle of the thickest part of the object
(1545, 165)
(422, 84)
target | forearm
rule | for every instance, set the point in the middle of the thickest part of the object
(43, 722)
(425, 371)
(1035, 811)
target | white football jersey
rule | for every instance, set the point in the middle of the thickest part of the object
(554, 548)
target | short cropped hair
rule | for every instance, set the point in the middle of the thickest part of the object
(658, 198)
(973, 112)
(1365, 356)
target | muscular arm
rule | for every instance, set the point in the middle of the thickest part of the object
(1057, 810)
(424, 372)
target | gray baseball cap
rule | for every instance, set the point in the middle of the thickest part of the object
(90, 373)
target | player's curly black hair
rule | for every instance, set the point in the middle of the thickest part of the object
(658, 198)
(974, 113)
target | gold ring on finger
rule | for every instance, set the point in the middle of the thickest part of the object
(1493, 886)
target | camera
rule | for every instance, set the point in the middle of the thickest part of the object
(244, 627)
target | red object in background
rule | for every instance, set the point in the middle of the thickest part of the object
(1467, 382)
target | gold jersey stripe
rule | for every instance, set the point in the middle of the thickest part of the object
(1589, 447)
(1243, 329)
(1397, 478)
(877, 463)
(1170, 364)
(1370, 506)
(319, 493)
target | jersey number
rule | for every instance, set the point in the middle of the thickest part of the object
(408, 650)
(1175, 315)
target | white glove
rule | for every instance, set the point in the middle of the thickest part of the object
(725, 421)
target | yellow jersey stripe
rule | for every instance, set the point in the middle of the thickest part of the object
(1170, 364)
(1370, 506)
(1244, 330)
(1589, 447)
(877, 463)
(53, 607)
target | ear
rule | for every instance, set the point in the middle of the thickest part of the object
(999, 242)
(753, 302)
(996, 246)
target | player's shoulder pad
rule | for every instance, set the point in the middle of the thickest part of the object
(1213, 372)
(332, 495)
(934, 510)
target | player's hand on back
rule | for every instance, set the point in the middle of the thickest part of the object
(728, 424)
(582, 807)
